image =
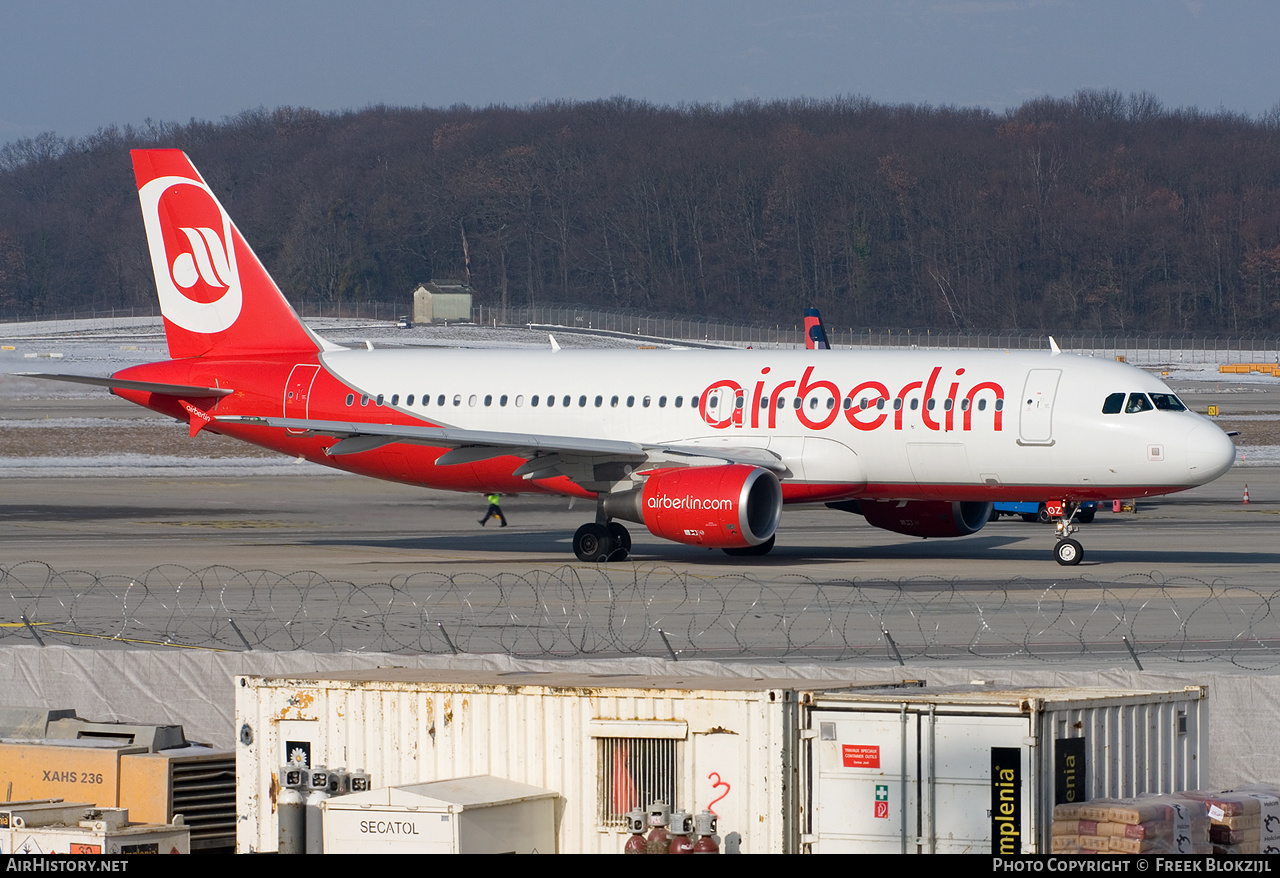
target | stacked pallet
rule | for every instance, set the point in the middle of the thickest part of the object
(1245, 821)
(1171, 824)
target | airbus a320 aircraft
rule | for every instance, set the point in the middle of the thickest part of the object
(700, 447)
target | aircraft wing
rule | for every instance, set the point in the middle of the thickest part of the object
(585, 461)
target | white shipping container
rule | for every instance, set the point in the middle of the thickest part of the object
(719, 743)
(791, 767)
(914, 771)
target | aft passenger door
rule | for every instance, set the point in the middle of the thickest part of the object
(297, 392)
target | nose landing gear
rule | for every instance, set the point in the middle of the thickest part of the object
(1066, 551)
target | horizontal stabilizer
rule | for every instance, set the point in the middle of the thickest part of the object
(145, 386)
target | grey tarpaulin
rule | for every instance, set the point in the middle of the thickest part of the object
(194, 688)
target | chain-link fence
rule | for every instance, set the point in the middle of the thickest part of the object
(1156, 348)
(576, 611)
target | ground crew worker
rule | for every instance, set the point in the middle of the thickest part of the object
(495, 511)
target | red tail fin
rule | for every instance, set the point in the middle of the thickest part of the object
(216, 298)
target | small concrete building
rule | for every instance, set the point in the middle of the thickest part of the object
(439, 300)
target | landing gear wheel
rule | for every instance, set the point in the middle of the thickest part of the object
(592, 542)
(762, 549)
(621, 541)
(1068, 552)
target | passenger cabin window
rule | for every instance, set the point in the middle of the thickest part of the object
(1113, 404)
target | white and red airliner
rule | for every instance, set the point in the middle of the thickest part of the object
(701, 447)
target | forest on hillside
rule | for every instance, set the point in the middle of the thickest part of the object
(1096, 212)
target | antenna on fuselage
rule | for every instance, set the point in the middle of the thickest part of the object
(1054, 350)
(554, 346)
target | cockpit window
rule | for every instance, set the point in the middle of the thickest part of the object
(1167, 402)
(1113, 404)
(1138, 402)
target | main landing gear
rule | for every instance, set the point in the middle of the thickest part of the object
(602, 541)
(1066, 551)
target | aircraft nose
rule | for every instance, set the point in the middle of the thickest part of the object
(1210, 452)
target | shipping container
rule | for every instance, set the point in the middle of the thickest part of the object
(791, 766)
(950, 771)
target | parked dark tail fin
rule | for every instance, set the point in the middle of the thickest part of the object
(815, 335)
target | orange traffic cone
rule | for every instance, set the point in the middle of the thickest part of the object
(1246, 496)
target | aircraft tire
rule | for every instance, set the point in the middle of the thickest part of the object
(592, 543)
(1068, 552)
(621, 541)
(762, 549)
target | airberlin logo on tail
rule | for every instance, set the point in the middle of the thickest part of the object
(191, 254)
(207, 261)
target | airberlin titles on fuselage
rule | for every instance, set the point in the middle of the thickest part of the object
(866, 406)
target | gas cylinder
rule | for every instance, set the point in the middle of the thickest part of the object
(291, 836)
(659, 838)
(317, 792)
(708, 842)
(635, 826)
(681, 829)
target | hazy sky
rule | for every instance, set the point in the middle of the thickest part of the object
(71, 67)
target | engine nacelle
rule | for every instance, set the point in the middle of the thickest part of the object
(927, 518)
(722, 507)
